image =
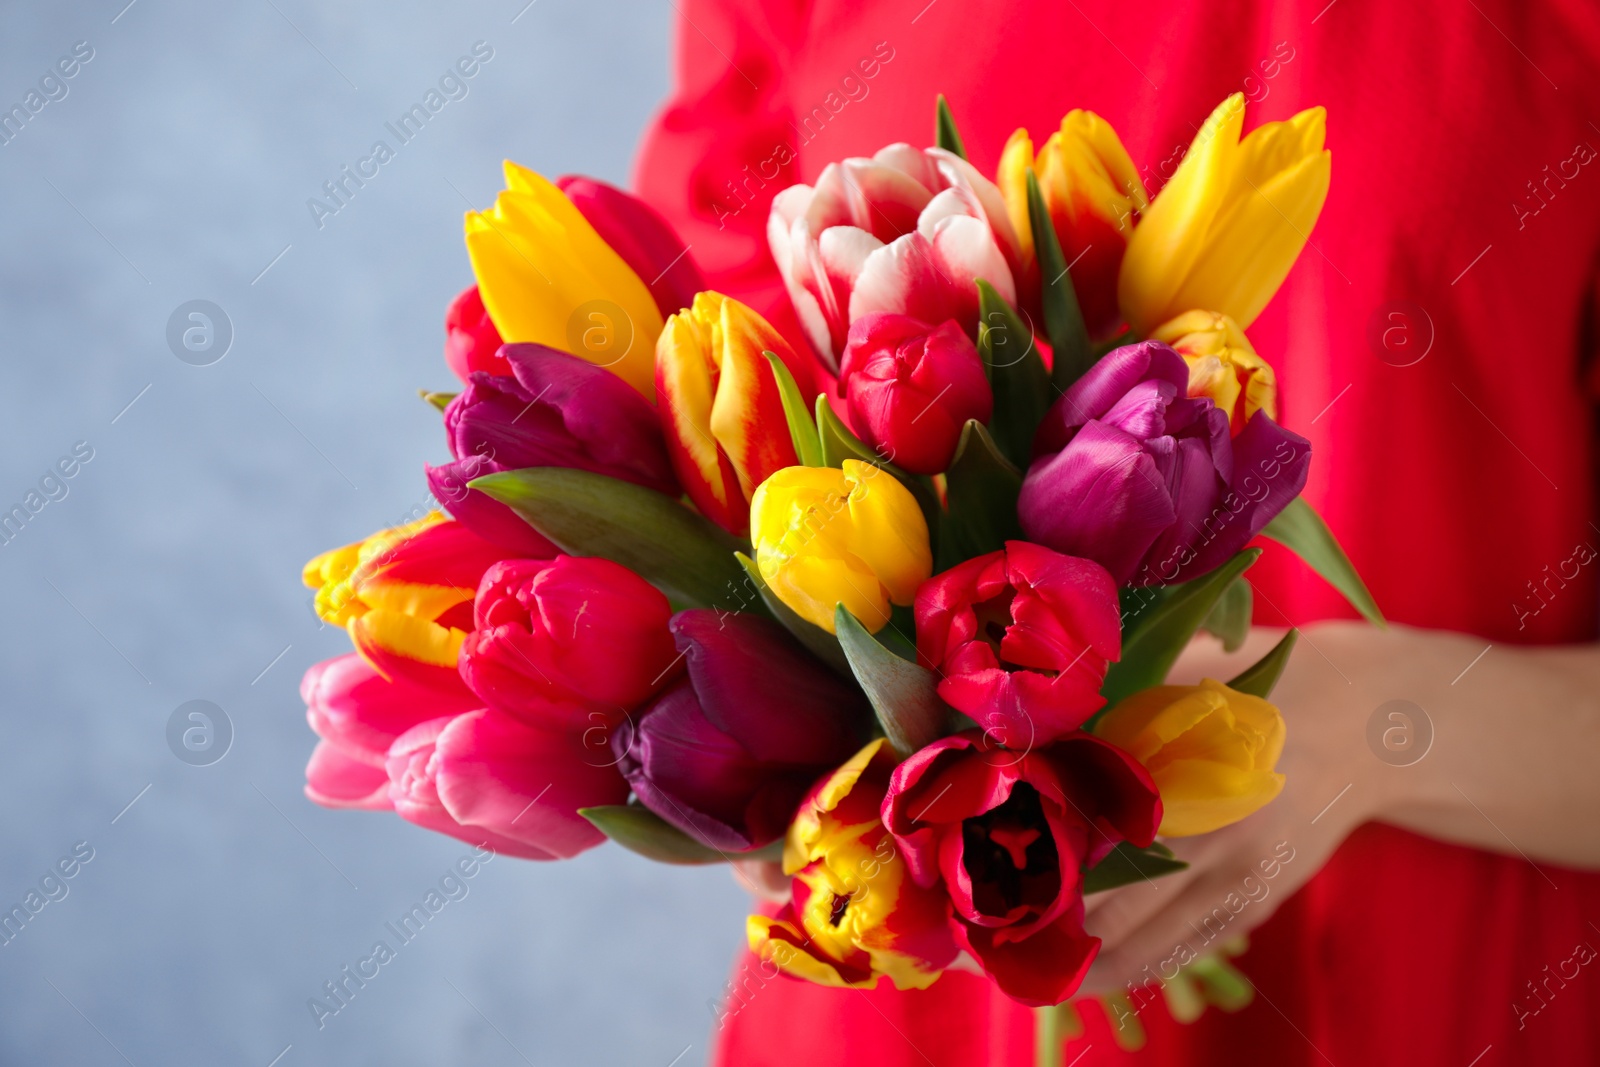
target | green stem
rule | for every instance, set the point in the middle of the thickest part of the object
(1047, 1037)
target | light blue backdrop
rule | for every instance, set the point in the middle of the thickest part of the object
(177, 167)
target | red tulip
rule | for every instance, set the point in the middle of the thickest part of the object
(1021, 639)
(490, 780)
(1008, 832)
(471, 342)
(571, 642)
(911, 388)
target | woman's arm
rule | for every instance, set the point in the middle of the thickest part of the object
(1511, 767)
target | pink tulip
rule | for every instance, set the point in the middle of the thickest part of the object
(573, 642)
(490, 780)
(908, 231)
(358, 714)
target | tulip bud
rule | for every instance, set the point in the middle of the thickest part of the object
(358, 713)
(1134, 475)
(1093, 194)
(727, 752)
(471, 342)
(855, 914)
(572, 641)
(405, 595)
(1020, 639)
(1227, 227)
(911, 388)
(1211, 751)
(493, 781)
(1222, 365)
(720, 407)
(825, 536)
(554, 411)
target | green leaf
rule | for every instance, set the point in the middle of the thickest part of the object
(438, 400)
(944, 129)
(1259, 679)
(1153, 642)
(1230, 619)
(981, 489)
(1063, 319)
(1017, 374)
(638, 829)
(1126, 864)
(588, 514)
(802, 431)
(904, 694)
(820, 642)
(1301, 530)
(837, 442)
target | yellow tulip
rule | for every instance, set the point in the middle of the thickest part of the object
(1223, 233)
(856, 915)
(1210, 749)
(1222, 364)
(547, 277)
(825, 536)
(1093, 194)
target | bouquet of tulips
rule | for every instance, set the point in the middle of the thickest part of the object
(892, 606)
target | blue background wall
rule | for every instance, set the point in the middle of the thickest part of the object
(177, 167)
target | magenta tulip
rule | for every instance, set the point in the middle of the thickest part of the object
(912, 387)
(471, 342)
(490, 780)
(1131, 473)
(572, 642)
(1020, 639)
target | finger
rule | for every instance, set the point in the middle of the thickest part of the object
(1208, 912)
(1109, 908)
(763, 878)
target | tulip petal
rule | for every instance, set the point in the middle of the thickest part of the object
(524, 784)
(336, 780)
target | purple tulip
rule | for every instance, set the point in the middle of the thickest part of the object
(727, 753)
(1133, 474)
(558, 411)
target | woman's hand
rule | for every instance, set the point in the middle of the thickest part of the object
(1496, 751)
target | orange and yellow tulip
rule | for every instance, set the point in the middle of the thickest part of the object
(720, 406)
(1093, 194)
(405, 595)
(1222, 365)
(856, 915)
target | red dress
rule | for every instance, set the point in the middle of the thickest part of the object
(1433, 343)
